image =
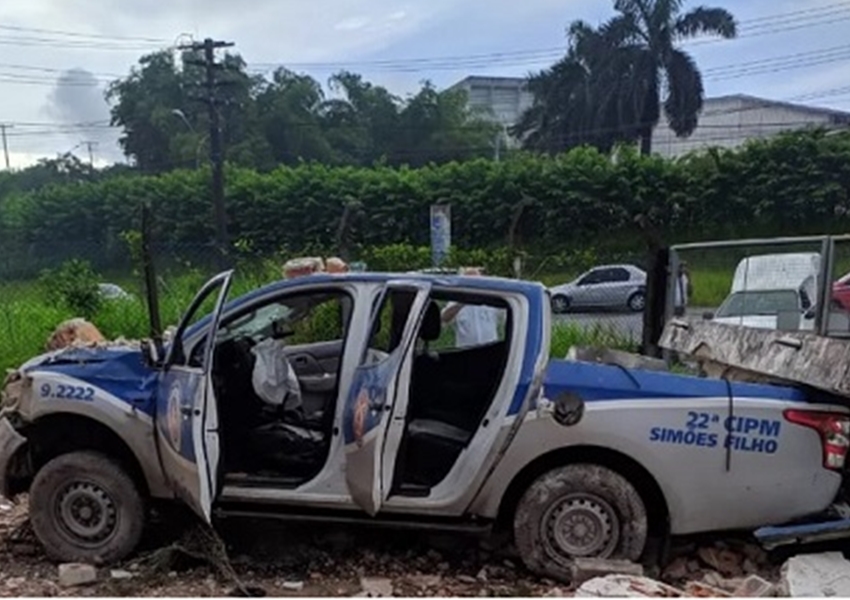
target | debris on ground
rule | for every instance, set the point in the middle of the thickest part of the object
(626, 586)
(76, 574)
(333, 561)
(376, 587)
(584, 569)
(816, 576)
(120, 574)
(754, 587)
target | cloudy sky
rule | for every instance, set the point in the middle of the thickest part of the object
(57, 56)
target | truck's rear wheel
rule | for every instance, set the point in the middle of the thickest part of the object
(578, 510)
(85, 508)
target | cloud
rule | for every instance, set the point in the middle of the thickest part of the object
(352, 24)
(77, 103)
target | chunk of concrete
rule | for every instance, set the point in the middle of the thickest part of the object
(376, 587)
(584, 569)
(816, 576)
(120, 574)
(293, 586)
(754, 587)
(425, 581)
(626, 586)
(698, 589)
(74, 574)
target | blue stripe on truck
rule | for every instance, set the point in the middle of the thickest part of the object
(597, 382)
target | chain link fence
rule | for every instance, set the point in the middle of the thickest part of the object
(45, 284)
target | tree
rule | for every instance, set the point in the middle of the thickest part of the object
(439, 127)
(287, 111)
(614, 77)
(144, 105)
(581, 99)
(647, 32)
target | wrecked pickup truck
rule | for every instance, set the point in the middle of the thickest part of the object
(344, 398)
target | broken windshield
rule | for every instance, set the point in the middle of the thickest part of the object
(759, 303)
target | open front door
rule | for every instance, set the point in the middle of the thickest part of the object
(186, 412)
(375, 386)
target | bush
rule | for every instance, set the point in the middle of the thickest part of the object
(75, 286)
(580, 204)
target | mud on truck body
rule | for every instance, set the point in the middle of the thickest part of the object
(393, 425)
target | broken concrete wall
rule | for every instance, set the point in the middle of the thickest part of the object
(762, 354)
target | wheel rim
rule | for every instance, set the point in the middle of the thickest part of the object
(86, 513)
(638, 302)
(560, 303)
(580, 525)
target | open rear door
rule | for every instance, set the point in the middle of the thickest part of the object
(186, 412)
(375, 386)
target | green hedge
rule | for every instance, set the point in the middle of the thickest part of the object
(796, 184)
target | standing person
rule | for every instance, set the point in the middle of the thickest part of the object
(683, 290)
(474, 324)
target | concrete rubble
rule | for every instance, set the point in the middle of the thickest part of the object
(584, 569)
(626, 586)
(376, 587)
(120, 574)
(74, 332)
(76, 574)
(816, 576)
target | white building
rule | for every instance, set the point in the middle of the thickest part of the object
(729, 121)
(504, 99)
(726, 121)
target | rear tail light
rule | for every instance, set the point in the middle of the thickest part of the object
(834, 430)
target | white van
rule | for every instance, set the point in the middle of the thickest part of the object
(773, 291)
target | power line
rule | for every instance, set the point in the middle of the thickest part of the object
(79, 34)
(759, 27)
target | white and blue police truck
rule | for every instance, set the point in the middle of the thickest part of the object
(345, 396)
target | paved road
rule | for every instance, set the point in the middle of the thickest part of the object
(629, 325)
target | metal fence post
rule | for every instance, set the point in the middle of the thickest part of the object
(151, 289)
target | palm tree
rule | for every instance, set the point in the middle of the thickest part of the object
(608, 87)
(587, 97)
(645, 34)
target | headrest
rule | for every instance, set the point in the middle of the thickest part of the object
(431, 323)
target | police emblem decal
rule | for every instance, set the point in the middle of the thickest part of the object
(361, 408)
(174, 420)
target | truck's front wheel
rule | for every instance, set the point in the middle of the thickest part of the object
(580, 510)
(84, 507)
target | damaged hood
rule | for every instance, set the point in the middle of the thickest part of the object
(119, 370)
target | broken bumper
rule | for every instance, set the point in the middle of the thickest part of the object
(805, 533)
(10, 441)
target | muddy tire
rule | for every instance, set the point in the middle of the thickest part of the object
(580, 510)
(84, 507)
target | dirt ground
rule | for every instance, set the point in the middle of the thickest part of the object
(274, 559)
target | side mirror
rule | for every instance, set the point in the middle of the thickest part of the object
(153, 353)
(707, 315)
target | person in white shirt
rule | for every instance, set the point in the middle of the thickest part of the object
(474, 324)
(683, 290)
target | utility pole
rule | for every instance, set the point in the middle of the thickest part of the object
(90, 145)
(209, 46)
(3, 128)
